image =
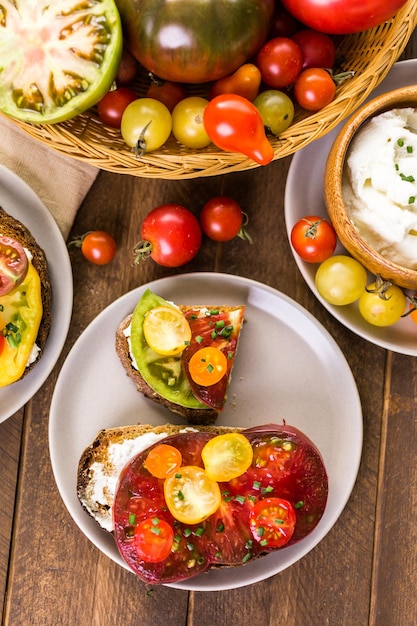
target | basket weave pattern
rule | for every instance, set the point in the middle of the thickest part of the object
(369, 54)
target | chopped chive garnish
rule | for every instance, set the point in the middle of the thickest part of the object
(210, 368)
(180, 495)
(199, 532)
(410, 149)
(246, 557)
(240, 499)
(199, 339)
(407, 179)
(187, 532)
(132, 519)
(400, 142)
(220, 527)
(299, 504)
(411, 199)
(256, 484)
(264, 542)
(260, 531)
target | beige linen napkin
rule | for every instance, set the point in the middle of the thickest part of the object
(60, 181)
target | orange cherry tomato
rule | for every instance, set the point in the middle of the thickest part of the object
(1, 344)
(163, 460)
(207, 366)
(245, 81)
(153, 539)
(167, 92)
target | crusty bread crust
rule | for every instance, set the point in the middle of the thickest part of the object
(11, 227)
(193, 416)
(98, 453)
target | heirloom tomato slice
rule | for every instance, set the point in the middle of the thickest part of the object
(58, 58)
(13, 264)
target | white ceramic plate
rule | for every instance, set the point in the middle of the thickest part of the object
(304, 196)
(20, 201)
(288, 367)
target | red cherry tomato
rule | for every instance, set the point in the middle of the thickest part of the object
(97, 246)
(272, 522)
(318, 48)
(283, 24)
(221, 219)
(167, 92)
(341, 17)
(2, 340)
(171, 236)
(13, 264)
(313, 238)
(153, 539)
(234, 124)
(314, 89)
(112, 106)
(280, 61)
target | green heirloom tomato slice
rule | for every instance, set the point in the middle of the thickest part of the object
(57, 59)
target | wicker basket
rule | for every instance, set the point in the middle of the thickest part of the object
(370, 54)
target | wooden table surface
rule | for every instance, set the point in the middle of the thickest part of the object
(365, 569)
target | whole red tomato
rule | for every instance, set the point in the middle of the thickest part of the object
(318, 48)
(342, 16)
(314, 89)
(97, 246)
(171, 236)
(280, 61)
(194, 41)
(313, 238)
(221, 219)
(112, 106)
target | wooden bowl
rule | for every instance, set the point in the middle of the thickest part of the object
(348, 234)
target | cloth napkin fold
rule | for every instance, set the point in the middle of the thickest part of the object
(61, 182)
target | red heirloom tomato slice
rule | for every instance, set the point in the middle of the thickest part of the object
(13, 264)
(58, 58)
(313, 238)
(233, 123)
(341, 17)
(272, 522)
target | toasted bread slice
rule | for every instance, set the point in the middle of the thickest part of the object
(203, 414)
(103, 460)
(11, 227)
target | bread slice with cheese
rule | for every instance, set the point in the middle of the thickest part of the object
(21, 300)
(167, 380)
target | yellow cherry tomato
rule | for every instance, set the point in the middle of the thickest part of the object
(227, 456)
(191, 496)
(166, 330)
(207, 366)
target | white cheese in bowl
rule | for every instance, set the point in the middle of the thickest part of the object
(380, 185)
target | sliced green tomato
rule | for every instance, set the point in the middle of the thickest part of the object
(227, 456)
(57, 58)
(191, 496)
(20, 316)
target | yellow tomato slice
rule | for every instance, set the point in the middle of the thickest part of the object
(166, 330)
(207, 366)
(163, 460)
(227, 456)
(191, 496)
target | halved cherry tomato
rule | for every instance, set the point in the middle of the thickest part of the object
(272, 522)
(166, 330)
(112, 106)
(163, 460)
(314, 89)
(97, 246)
(153, 539)
(207, 366)
(234, 124)
(245, 81)
(313, 238)
(227, 456)
(191, 496)
(13, 264)
(2, 340)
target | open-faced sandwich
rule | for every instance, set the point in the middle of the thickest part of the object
(182, 500)
(181, 356)
(25, 300)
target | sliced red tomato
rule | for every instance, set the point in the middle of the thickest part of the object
(13, 264)
(153, 540)
(272, 522)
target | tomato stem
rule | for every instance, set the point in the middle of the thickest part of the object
(142, 251)
(243, 233)
(140, 147)
(381, 287)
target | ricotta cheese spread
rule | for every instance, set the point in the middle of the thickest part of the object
(380, 185)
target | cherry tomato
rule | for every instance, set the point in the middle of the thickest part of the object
(191, 496)
(280, 61)
(234, 123)
(276, 109)
(207, 366)
(187, 122)
(146, 125)
(318, 48)
(167, 92)
(153, 539)
(97, 246)
(166, 330)
(222, 218)
(272, 522)
(227, 456)
(283, 23)
(313, 238)
(171, 236)
(128, 68)
(13, 264)
(245, 82)
(412, 310)
(112, 106)
(162, 460)
(382, 304)
(341, 280)
(314, 89)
